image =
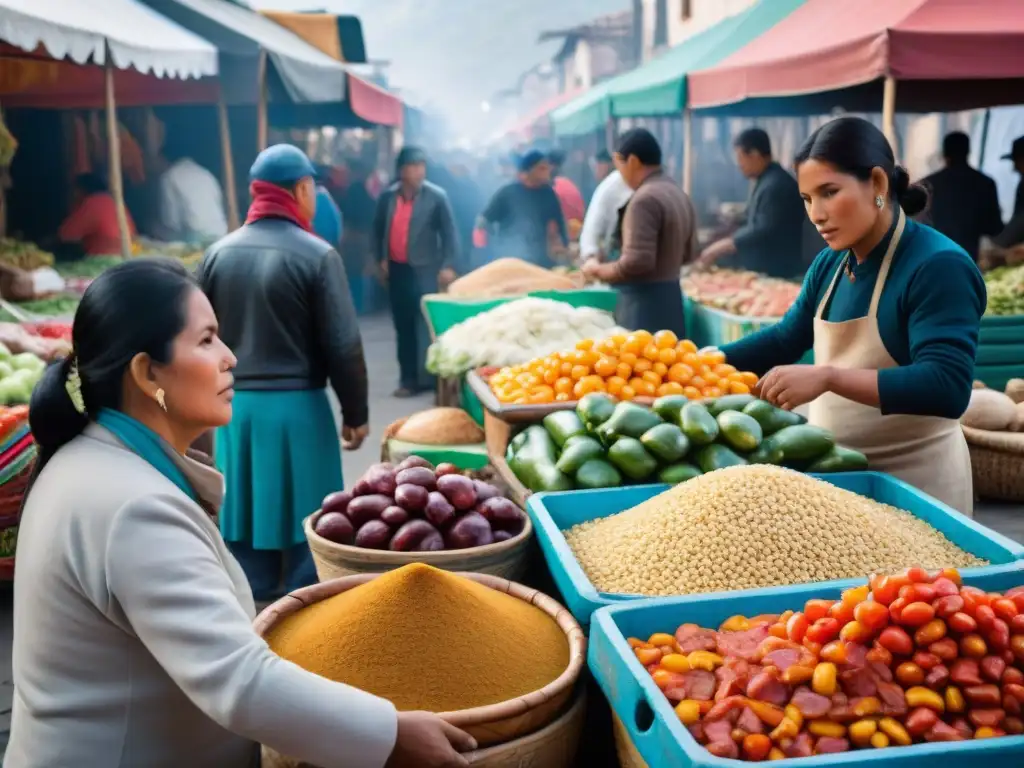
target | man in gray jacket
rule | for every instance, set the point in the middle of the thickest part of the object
(416, 244)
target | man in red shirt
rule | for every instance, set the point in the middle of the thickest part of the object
(569, 196)
(415, 242)
(92, 228)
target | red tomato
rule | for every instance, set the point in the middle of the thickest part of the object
(823, 630)
(818, 609)
(872, 615)
(896, 640)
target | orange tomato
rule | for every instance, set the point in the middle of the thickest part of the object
(646, 389)
(550, 375)
(561, 397)
(712, 392)
(585, 344)
(563, 385)
(615, 385)
(667, 356)
(627, 393)
(565, 369)
(633, 346)
(651, 352)
(606, 347)
(738, 388)
(637, 384)
(665, 339)
(748, 378)
(623, 370)
(661, 369)
(588, 384)
(710, 377)
(691, 359)
(579, 371)
(628, 358)
(606, 366)
(724, 369)
(680, 373)
(687, 346)
(542, 394)
(670, 388)
(642, 365)
(692, 393)
(712, 356)
(698, 382)
(652, 378)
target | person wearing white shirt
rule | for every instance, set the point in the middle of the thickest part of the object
(602, 219)
(191, 201)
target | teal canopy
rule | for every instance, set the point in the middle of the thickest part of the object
(658, 88)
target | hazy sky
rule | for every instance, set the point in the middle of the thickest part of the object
(455, 54)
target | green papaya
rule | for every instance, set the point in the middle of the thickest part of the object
(669, 407)
(632, 459)
(665, 442)
(576, 455)
(717, 456)
(598, 473)
(840, 459)
(674, 474)
(562, 425)
(739, 431)
(595, 409)
(766, 453)
(698, 425)
(629, 420)
(770, 418)
(803, 442)
(728, 403)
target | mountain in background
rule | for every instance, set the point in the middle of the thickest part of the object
(452, 55)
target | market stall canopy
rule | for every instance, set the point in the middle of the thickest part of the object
(658, 88)
(529, 126)
(84, 31)
(836, 54)
(340, 37)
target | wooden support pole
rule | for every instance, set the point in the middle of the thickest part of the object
(609, 134)
(889, 114)
(230, 193)
(114, 159)
(261, 103)
(687, 151)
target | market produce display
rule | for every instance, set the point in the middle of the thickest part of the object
(904, 659)
(17, 459)
(416, 507)
(1005, 291)
(90, 267)
(24, 256)
(426, 640)
(441, 426)
(994, 411)
(740, 292)
(516, 332)
(604, 444)
(753, 526)
(54, 306)
(625, 366)
(48, 341)
(19, 374)
(509, 277)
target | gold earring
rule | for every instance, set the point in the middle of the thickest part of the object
(161, 399)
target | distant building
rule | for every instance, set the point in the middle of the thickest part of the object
(667, 23)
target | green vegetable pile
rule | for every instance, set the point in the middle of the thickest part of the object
(19, 375)
(91, 267)
(55, 306)
(1005, 291)
(604, 444)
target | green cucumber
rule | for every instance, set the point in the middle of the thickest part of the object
(579, 453)
(669, 407)
(770, 418)
(562, 425)
(632, 459)
(598, 473)
(674, 474)
(716, 456)
(629, 420)
(739, 431)
(534, 462)
(766, 453)
(698, 425)
(665, 442)
(840, 459)
(595, 409)
(728, 403)
(803, 442)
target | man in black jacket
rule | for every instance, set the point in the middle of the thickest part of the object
(774, 238)
(284, 308)
(416, 245)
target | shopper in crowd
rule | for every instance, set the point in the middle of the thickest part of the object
(525, 216)
(1013, 233)
(964, 203)
(569, 197)
(659, 236)
(466, 200)
(191, 201)
(601, 236)
(891, 309)
(284, 307)
(603, 165)
(416, 246)
(133, 637)
(772, 239)
(327, 221)
(91, 229)
(357, 210)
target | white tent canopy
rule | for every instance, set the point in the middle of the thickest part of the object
(82, 30)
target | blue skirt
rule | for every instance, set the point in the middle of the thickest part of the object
(280, 456)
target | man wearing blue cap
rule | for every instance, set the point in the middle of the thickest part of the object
(416, 245)
(284, 307)
(526, 215)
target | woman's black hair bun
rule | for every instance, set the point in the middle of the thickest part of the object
(913, 198)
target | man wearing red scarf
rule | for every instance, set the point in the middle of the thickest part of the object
(284, 308)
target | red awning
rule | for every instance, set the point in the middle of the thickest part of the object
(372, 103)
(524, 127)
(829, 45)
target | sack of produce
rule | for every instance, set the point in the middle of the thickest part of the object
(989, 410)
(507, 277)
(440, 426)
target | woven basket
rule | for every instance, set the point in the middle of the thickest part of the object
(510, 724)
(624, 747)
(507, 559)
(389, 432)
(997, 463)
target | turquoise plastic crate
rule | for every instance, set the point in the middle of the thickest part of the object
(710, 327)
(553, 513)
(471, 403)
(664, 742)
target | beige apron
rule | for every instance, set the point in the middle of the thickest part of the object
(928, 452)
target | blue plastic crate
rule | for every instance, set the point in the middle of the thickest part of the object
(664, 742)
(553, 513)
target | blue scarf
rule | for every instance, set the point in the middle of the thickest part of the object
(147, 444)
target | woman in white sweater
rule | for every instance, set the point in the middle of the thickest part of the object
(133, 639)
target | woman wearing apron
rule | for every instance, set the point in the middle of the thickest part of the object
(892, 310)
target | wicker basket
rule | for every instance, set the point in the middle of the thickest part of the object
(389, 432)
(997, 463)
(507, 559)
(624, 747)
(520, 726)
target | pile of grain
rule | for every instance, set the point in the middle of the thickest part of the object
(509, 277)
(754, 526)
